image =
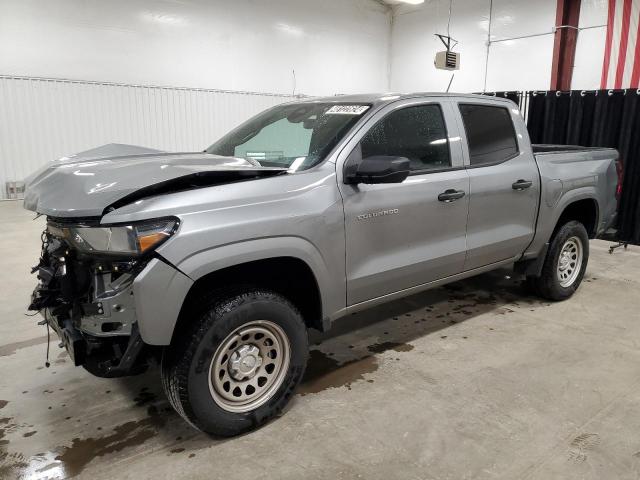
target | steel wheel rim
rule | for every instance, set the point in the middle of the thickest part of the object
(570, 262)
(249, 366)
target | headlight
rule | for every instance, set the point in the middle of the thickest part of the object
(134, 239)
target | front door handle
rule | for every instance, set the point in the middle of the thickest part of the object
(450, 195)
(521, 184)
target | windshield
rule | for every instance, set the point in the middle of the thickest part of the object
(292, 136)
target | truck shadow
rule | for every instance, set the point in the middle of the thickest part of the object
(348, 351)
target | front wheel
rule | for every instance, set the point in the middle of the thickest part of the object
(238, 364)
(565, 263)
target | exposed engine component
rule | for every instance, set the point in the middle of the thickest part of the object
(88, 301)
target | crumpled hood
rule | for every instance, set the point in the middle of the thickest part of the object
(85, 184)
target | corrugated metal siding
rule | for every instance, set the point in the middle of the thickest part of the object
(44, 119)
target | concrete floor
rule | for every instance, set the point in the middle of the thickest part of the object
(474, 380)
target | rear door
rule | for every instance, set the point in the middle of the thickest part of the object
(504, 182)
(401, 235)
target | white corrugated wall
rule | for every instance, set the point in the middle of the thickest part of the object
(43, 119)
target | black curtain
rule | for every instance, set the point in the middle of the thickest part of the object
(514, 96)
(595, 119)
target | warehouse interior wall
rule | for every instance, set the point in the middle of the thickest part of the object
(295, 46)
(334, 46)
(520, 53)
(176, 75)
(43, 120)
(171, 75)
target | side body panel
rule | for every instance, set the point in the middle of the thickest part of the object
(312, 215)
(421, 241)
(501, 220)
(568, 177)
(400, 235)
(158, 292)
(296, 215)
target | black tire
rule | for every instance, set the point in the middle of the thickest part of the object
(548, 284)
(185, 364)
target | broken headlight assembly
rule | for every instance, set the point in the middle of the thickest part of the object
(133, 239)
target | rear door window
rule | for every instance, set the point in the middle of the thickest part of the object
(490, 134)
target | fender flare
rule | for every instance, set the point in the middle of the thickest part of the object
(332, 293)
(551, 215)
(573, 196)
(216, 258)
(158, 318)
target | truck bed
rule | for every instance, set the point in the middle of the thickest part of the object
(548, 148)
(568, 172)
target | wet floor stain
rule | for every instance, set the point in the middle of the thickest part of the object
(130, 434)
(11, 348)
(71, 457)
(335, 366)
(11, 464)
(48, 468)
(395, 346)
(145, 397)
(324, 372)
(6, 426)
(348, 356)
(396, 325)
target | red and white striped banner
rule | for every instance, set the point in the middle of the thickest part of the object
(621, 67)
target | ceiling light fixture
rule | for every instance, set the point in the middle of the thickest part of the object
(291, 30)
(164, 18)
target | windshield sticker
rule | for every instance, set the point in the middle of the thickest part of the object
(347, 110)
(267, 155)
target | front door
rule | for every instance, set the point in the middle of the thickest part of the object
(403, 235)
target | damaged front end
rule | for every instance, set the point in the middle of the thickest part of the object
(85, 290)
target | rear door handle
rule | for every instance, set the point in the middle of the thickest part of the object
(450, 195)
(521, 184)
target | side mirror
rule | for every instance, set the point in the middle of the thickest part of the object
(377, 169)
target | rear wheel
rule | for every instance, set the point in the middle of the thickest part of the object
(239, 364)
(565, 263)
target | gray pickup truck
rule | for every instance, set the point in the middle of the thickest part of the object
(217, 263)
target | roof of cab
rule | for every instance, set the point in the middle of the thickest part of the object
(382, 98)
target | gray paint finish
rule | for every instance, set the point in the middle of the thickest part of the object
(519, 388)
(312, 215)
(155, 290)
(571, 176)
(501, 220)
(85, 184)
(424, 241)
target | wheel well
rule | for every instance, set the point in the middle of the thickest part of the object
(584, 211)
(288, 276)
